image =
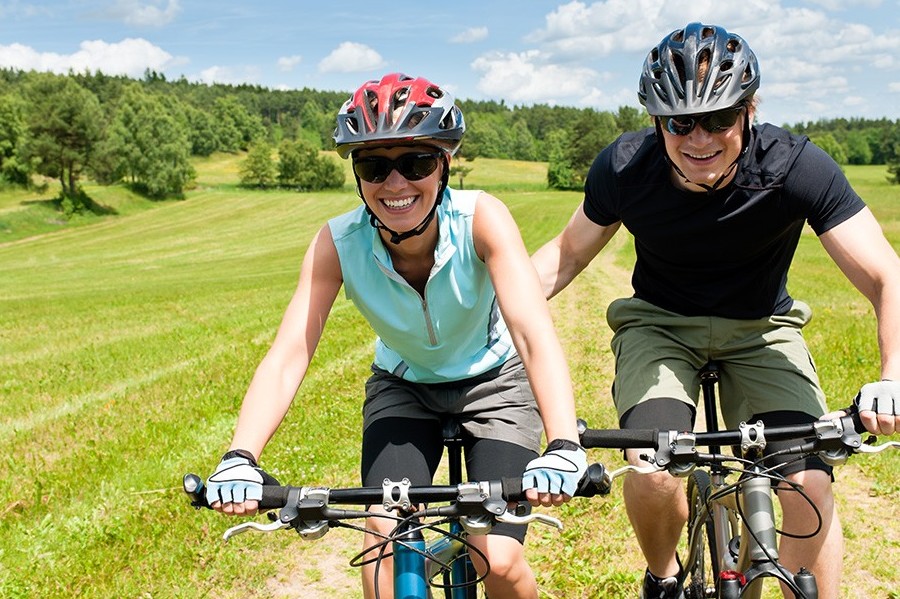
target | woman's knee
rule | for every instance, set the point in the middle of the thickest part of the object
(505, 555)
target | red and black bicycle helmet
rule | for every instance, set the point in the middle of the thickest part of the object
(670, 80)
(399, 109)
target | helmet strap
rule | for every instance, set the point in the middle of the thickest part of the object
(422, 226)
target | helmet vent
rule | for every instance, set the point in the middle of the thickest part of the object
(748, 74)
(678, 36)
(449, 121)
(434, 92)
(726, 65)
(352, 125)
(400, 97)
(678, 63)
(721, 82)
(417, 118)
(372, 99)
(707, 32)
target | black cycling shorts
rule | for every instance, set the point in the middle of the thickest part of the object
(397, 448)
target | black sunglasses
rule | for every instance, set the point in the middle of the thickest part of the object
(413, 166)
(713, 122)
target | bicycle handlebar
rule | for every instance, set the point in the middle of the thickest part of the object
(849, 426)
(402, 495)
(833, 439)
(396, 494)
(309, 511)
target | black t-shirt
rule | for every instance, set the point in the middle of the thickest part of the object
(725, 253)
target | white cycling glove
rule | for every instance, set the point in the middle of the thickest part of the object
(237, 479)
(882, 397)
(558, 470)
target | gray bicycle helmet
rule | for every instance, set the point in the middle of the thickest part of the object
(670, 83)
(400, 109)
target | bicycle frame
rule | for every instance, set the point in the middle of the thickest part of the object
(415, 563)
(757, 542)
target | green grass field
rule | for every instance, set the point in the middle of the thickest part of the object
(127, 342)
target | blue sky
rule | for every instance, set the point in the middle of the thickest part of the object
(818, 58)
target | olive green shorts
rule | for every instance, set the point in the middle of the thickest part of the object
(764, 364)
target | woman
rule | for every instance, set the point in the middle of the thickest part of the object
(445, 281)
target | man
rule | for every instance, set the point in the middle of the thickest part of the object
(716, 207)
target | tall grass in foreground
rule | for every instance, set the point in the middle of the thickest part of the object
(126, 346)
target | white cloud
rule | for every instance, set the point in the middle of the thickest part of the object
(350, 57)
(854, 101)
(154, 13)
(287, 63)
(894, 87)
(21, 9)
(473, 34)
(129, 57)
(611, 27)
(810, 58)
(526, 77)
(230, 75)
(845, 4)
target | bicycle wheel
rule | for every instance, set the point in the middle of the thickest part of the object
(701, 565)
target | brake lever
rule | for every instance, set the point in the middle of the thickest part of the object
(868, 448)
(650, 468)
(246, 526)
(510, 518)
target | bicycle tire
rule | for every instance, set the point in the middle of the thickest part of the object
(702, 571)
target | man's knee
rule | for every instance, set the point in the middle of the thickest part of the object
(811, 482)
(808, 486)
(657, 488)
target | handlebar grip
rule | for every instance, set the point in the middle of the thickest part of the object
(193, 486)
(595, 482)
(273, 497)
(853, 414)
(511, 489)
(619, 438)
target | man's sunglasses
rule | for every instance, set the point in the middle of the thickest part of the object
(713, 122)
(414, 166)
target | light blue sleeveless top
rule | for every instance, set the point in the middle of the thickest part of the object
(455, 331)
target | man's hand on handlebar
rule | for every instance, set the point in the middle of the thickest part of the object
(879, 407)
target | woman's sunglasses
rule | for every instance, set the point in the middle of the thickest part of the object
(713, 122)
(414, 166)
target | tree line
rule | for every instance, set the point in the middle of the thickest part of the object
(143, 133)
